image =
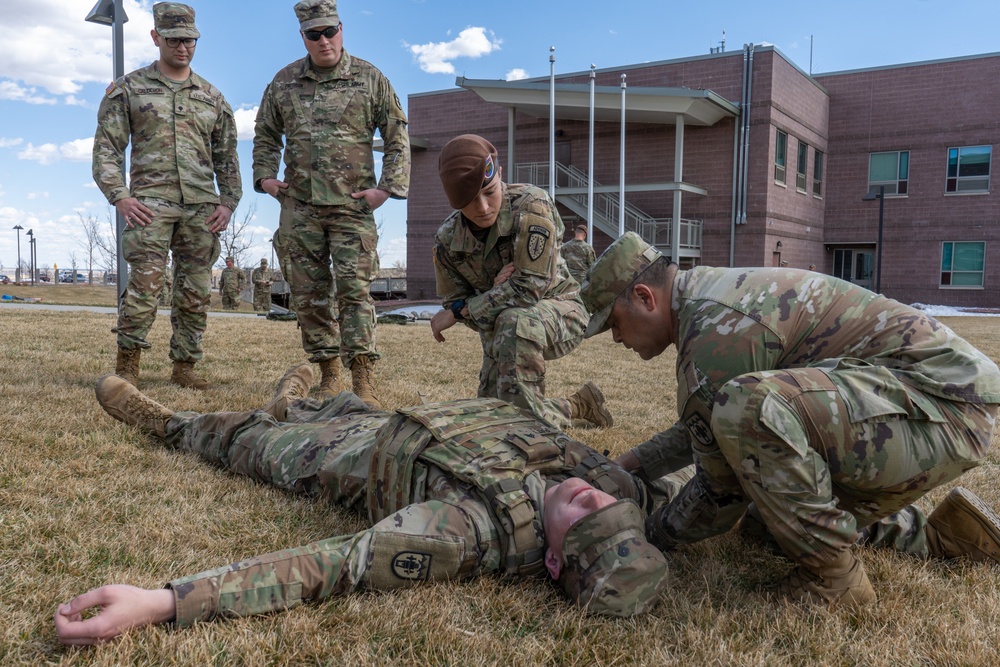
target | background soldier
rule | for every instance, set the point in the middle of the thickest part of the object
(443, 527)
(579, 254)
(499, 270)
(828, 406)
(324, 110)
(261, 279)
(171, 203)
(231, 283)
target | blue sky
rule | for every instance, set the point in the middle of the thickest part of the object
(54, 68)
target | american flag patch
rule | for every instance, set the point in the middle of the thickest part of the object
(110, 89)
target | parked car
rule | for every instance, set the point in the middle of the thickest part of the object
(4, 279)
(68, 278)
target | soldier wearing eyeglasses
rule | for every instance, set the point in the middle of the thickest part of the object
(323, 111)
(183, 137)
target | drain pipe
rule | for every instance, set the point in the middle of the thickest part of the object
(738, 129)
(746, 139)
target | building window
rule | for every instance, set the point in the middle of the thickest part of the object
(891, 170)
(780, 156)
(969, 169)
(800, 169)
(962, 264)
(818, 175)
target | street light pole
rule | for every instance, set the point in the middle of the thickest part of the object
(112, 13)
(31, 255)
(17, 272)
(878, 244)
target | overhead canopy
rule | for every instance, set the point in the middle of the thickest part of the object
(642, 105)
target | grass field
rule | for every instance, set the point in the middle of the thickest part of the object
(82, 294)
(85, 500)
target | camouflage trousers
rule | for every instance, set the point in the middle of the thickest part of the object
(181, 230)
(308, 238)
(820, 466)
(262, 300)
(324, 450)
(231, 299)
(514, 355)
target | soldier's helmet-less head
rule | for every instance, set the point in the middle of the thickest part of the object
(172, 19)
(624, 261)
(317, 14)
(467, 164)
(609, 566)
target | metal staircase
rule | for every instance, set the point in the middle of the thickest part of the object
(656, 231)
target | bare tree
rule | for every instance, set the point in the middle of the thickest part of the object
(237, 239)
(91, 232)
(74, 264)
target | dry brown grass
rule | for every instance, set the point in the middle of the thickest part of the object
(85, 500)
(83, 294)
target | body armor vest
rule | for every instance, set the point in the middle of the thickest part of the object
(492, 446)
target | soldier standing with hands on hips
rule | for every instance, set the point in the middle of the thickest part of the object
(323, 111)
(183, 137)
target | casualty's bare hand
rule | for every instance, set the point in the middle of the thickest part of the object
(134, 212)
(505, 273)
(120, 608)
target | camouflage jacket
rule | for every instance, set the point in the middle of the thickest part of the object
(735, 321)
(527, 232)
(232, 280)
(183, 141)
(261, 278)
(480, 455)
(326, 123)
(579, 256)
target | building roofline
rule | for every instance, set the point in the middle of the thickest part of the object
(917, 63)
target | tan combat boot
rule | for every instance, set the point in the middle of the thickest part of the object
(840, 583)
(185, 376)
(362, 381)
(124, 402)
(963, 526)
(588, 404)
(127, 365)
(293, 385)
(329, 382)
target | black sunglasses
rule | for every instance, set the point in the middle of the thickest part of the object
(314, 35)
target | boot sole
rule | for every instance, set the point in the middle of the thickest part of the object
(975, 506)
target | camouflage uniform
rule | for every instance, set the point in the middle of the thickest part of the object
(579, 256)
(183, 141)
(261, 279)
(166, 294)
(535, 315)
(453, 490)
(231, 283)
(829, 406)
(326, 121)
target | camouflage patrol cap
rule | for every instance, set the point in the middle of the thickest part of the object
(172, 19)
(467, 164)
(612, 273)
(317, 14)
(610, 568)
(263, 262)
(230, 259)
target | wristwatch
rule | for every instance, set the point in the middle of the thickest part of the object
(456, 309)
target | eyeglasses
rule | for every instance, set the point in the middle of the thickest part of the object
(314, 35)
(174, 42)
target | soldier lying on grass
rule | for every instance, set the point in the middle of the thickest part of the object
(453, 490)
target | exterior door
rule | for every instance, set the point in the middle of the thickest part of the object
(854, 265)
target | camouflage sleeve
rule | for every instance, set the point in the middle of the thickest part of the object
(114, 128)
(395, 177)
(450, 284)
(665, 452)
(536, 254)
(268, 133)
(225, 159)
(696, 513)
(591, 256)
(430, 541)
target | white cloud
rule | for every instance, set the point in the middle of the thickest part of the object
(436, 57)
(37, 195)
(46, 44)
(516, 74)
(392, 252)
(7, 143)
(78, 150)
(245, 118)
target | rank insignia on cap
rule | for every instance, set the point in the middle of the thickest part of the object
(110, 89)
(491, 169)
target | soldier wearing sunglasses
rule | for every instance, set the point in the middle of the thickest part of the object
(323, 111)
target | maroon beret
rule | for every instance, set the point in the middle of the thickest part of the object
(467, 164)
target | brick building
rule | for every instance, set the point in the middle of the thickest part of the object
(797, 181)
